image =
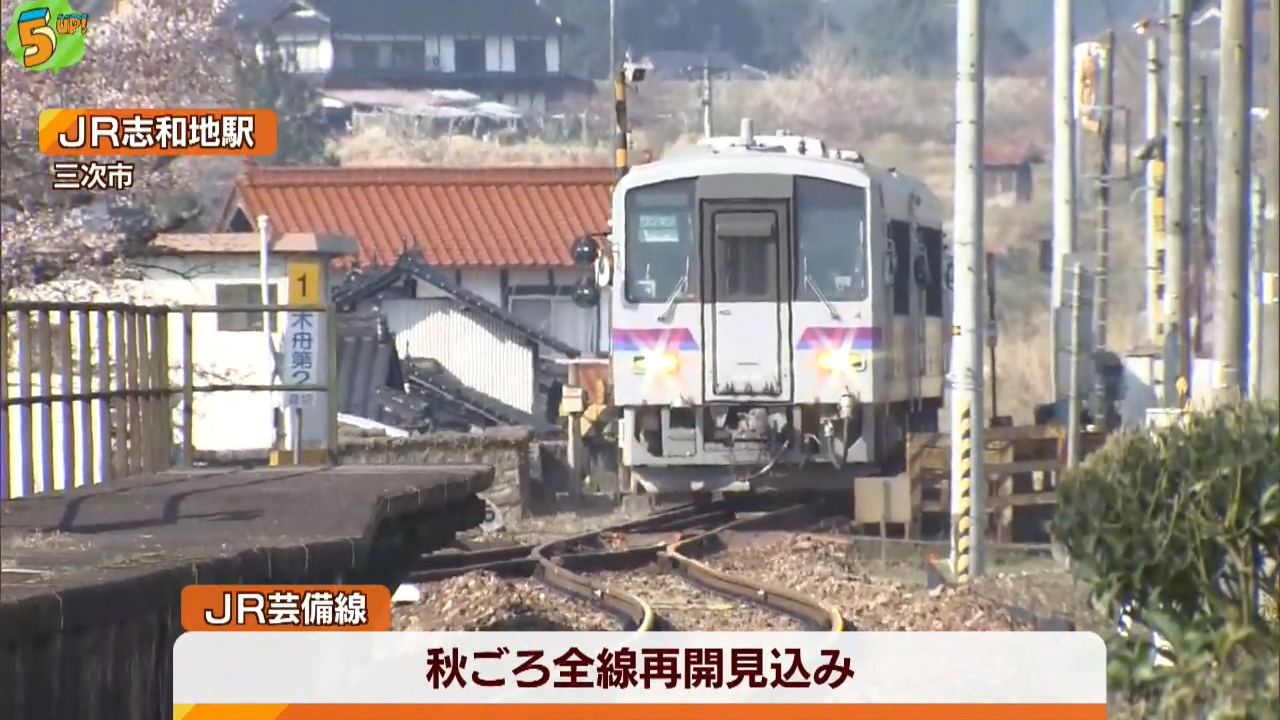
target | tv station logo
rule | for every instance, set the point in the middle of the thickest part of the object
(47, 35)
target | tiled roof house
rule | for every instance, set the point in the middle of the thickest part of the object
(501, 234)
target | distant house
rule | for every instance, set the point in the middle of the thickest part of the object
(493, 240)
(506, 51)
(1008, 170)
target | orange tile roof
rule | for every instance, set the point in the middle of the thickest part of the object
(459, 217)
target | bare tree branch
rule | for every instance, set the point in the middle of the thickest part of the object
(152, 54)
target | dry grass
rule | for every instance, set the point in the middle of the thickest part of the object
(373, 148)
(901, 121)
(37, 541)
(905, 122)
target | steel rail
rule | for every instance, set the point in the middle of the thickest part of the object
(519, 559)
(561, 563)
(565, 564)
(682, 557)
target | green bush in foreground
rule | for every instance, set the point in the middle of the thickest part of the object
(1182, 526)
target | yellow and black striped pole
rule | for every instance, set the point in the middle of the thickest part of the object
(969, 329)
(962, 508)
(621, 129)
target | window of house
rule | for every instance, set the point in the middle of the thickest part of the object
(468, 55)
(364, 55)
(342, 59)
(531, 56)
(555, 316)
(408, 55)
(241, 295)
(288, 55)
(307, 56)
(300, 56)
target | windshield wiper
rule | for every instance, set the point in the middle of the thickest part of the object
(665, 315)
(808, 280)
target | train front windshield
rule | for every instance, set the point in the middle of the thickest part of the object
(660, 243)
(831, 235)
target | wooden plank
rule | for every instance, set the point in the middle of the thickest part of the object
(996, 502)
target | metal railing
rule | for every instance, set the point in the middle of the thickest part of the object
(91, 394)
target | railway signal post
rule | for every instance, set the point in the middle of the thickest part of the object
(968, 477)
(1154, 171)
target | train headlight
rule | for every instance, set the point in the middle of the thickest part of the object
(841, 361)
(659, 363)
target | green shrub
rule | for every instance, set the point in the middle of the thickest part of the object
(1182, 526)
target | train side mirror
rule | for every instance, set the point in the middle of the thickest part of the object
(586, 294)
(584, 251)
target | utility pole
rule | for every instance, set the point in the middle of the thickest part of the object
(613, 37)
(1154, 181)
(968, 475)
(614, 68)
(1064, 177)
(1177, 197)
(1199, 245)
(1106, 126)
(1253, 288)
(1073, 383)
(1271, 262)
(1235, 127)
(708, 128)
(706, 95)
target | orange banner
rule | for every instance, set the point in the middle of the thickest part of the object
(641, 712)
(90, 132)
(256, 608)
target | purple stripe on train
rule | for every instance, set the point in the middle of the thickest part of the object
(845, 338)
(659, 339)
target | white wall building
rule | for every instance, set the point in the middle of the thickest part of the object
(228, 348)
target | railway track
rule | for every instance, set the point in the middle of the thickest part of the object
(651, 574)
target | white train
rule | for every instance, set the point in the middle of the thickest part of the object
(776, 305)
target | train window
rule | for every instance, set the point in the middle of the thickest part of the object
(745, 256)
(931, 238)
(659, 244)
(831, 236)
(903, 282)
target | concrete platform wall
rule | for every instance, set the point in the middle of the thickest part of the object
(103, 651)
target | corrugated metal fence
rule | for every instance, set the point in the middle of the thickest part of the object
(480, 353)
